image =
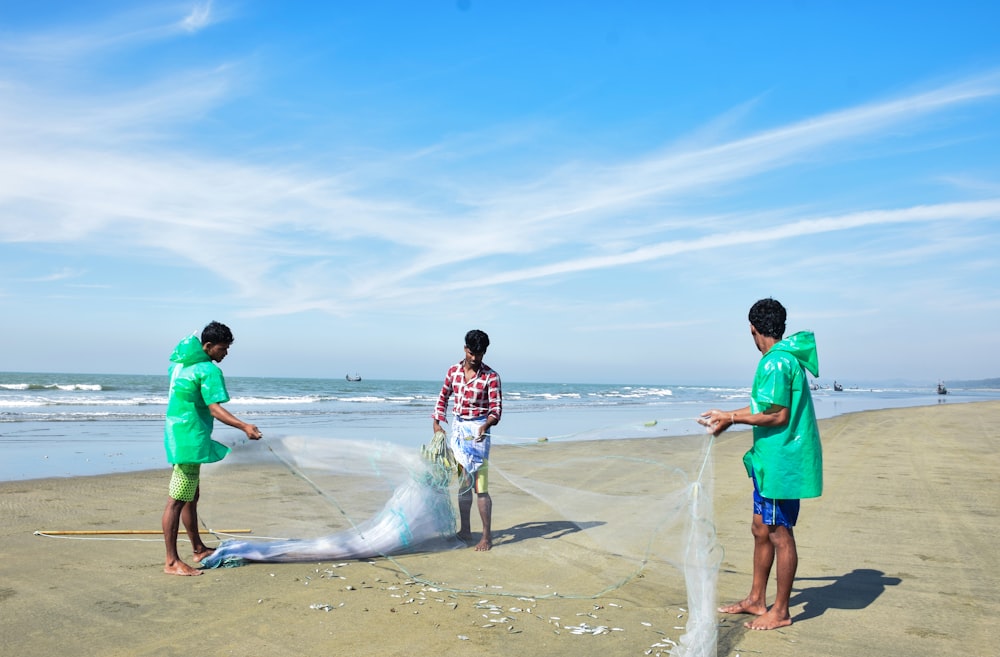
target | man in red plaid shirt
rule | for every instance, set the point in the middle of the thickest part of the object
(478, 402)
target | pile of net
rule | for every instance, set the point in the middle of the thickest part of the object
(418, 516)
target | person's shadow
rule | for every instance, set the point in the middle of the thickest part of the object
(854, 590)
(546, 530)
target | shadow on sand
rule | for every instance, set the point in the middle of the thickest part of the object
(546, 530)
(854, 590)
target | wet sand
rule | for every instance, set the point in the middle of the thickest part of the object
(897, 558)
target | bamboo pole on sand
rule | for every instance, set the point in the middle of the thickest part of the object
(102, 532)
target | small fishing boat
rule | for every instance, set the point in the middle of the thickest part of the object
(941, 390)
(837, 387)
(353, 377)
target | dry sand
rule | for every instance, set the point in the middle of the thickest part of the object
(897, 558)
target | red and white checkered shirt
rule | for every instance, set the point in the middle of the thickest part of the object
(479, 397)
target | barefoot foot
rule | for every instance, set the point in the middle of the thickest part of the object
(745, 606)
(202, 553)
(484, 545)
(180, 568)
(769, 621)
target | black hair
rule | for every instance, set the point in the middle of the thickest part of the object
(216, 333)
(768, 317)
(477, 341)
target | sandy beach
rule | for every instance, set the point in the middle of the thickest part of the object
(897, 558)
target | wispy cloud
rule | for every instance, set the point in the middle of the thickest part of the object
(971, 211)
(149, 24)
(199, 18)
(601, 188)
(103, 169)
(61, 275)
(598, 197)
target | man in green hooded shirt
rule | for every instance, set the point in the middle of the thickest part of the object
(197, 392)
(785, 461)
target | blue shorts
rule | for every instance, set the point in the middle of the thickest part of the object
(775, 512)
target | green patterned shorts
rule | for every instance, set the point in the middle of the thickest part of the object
(184, 481)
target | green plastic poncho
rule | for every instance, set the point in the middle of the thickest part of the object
(195, 382)
(787, 461)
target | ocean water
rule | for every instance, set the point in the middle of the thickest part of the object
(54, 425)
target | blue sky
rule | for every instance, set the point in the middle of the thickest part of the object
(605, 188)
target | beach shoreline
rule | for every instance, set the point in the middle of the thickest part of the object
(66, 448)
(86, 424)
(895, 559)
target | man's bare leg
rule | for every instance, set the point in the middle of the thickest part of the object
(763, 556)
(465, 514)
(486, 514)
(189, 516)
(787, 561)
(170, 523)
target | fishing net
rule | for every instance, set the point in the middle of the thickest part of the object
(599, 521)
(418, 515)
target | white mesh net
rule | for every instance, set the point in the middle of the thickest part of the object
(614, 519)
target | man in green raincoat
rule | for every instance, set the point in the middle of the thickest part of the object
(785, 461)
(197, 392)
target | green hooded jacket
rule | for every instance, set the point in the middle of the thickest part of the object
(195, 382)
(787, 461)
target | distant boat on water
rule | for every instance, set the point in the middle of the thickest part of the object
(941, 389)
(837, 387)
(353, 377)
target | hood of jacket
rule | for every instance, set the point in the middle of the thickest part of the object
(802, 346)
(189, 351)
